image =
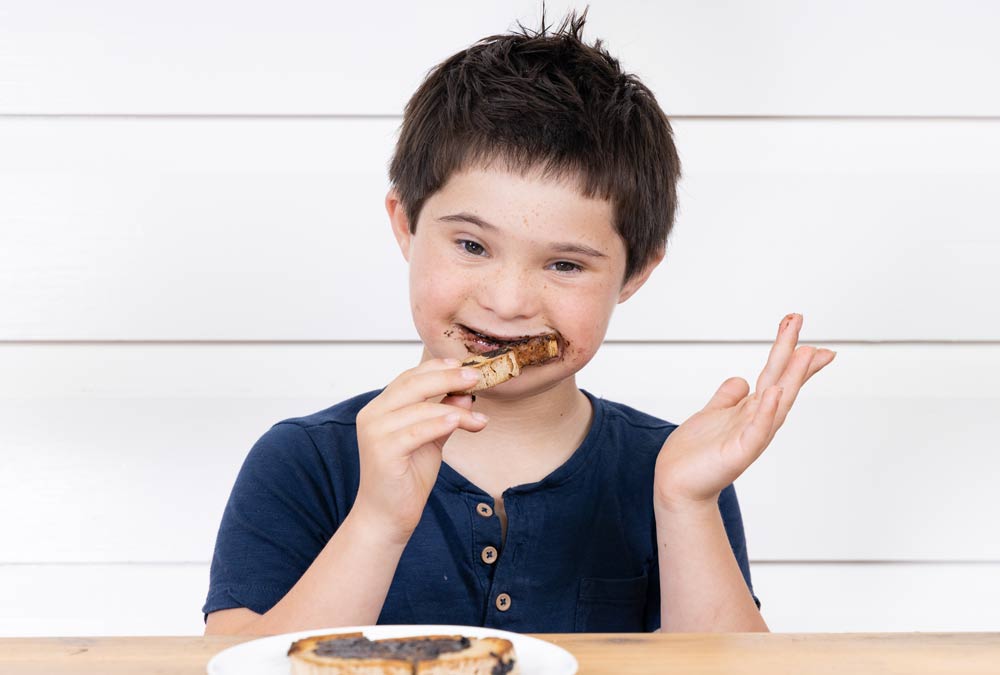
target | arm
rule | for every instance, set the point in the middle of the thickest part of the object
(400, 436)
(701, 586)
(345, 586)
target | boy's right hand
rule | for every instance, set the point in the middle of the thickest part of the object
(401, 434)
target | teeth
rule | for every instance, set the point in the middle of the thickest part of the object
(489, 339)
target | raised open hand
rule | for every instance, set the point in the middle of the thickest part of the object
(717, 444)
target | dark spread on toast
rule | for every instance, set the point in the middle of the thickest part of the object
(534, 351)
(531, 350)
(502, 667)
(423, 649)
(487, 355)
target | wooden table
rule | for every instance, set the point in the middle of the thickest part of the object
(598, 654)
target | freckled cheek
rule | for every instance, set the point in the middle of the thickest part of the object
(582, 341)
(434, 289)
(583, 328)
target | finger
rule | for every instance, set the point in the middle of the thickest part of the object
(781, 351)
(419, 412)
(795, 374)
(757, 434)
(420, 386)
(431, 364)
(461, 401)
(731, 392)
(434, 430)
(792, 380)
(438, 364)
(821, 360)
(423, 367)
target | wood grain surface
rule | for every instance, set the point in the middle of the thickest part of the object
(598, 654)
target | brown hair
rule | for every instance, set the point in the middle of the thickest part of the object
(545, 100)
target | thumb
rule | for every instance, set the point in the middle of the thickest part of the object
(729, 394)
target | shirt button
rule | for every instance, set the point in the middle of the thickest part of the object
(503, 602)
(484, 509)
(489, 555)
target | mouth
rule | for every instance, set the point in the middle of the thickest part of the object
(482, 343)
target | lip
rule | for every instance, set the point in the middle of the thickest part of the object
(498, 339)
(477, 342)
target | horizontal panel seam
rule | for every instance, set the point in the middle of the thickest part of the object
(769, 562)
(398, 116)
(929, 561)
(802, 340)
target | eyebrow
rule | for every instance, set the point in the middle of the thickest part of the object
(558, 247)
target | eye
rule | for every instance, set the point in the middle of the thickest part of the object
(567, 267)
(470, 247)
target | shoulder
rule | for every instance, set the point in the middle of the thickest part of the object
(628, 439)
(625, 421)
(323, 436)
(629, 416)
(344, 413)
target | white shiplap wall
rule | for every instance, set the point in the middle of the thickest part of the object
(186, 190)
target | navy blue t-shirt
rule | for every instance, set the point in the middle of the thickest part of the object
(580, 553)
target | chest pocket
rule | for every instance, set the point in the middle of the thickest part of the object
(611, 605)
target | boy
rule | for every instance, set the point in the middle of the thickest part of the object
(533, 190)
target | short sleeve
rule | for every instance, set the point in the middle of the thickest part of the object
(729, 507)
(651, 617)
(279, 516)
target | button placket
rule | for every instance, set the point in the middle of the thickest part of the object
(501, 591)
(485, 542)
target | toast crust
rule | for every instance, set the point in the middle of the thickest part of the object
(503, 364)
(480, 656)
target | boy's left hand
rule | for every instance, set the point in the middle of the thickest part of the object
(714, 446)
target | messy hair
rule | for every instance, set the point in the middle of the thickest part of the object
(544, 100)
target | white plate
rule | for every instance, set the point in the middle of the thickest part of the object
(269, 655)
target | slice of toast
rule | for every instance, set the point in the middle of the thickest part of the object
(494, 368)
(498, 366)
(354, 654)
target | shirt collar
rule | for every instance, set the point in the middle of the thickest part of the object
(453, 481)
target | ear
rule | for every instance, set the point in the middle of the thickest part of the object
(636, 282)
(399, 221)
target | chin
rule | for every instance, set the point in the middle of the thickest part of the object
(531, 382)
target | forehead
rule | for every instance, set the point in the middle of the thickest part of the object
(529, 205)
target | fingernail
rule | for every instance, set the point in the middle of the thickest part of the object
(480, 417)
(470, 374)
(451, 362)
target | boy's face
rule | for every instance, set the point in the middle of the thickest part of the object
(486, 257)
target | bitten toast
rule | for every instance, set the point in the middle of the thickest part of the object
(498, 366)
(354, 654)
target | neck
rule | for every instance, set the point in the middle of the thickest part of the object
(533, 433)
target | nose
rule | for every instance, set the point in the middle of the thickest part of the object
(510, 293)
